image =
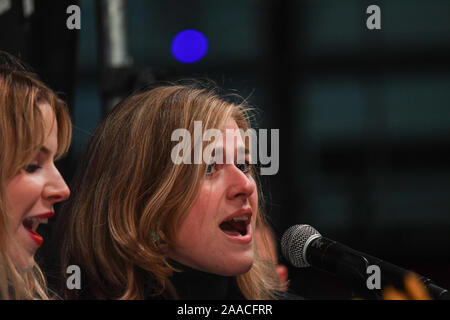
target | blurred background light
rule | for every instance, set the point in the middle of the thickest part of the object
(189, 46)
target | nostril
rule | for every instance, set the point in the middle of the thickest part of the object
(58, 195)
(65, 195)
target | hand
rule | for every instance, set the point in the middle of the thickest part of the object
(415, 290)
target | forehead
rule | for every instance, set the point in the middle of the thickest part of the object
(231, 124)
(50, 127)
(230, 140)
(232, 135)
(47, 111)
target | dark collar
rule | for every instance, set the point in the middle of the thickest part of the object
(192, 284)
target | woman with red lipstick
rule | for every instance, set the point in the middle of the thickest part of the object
(140, 226)
(35, 129)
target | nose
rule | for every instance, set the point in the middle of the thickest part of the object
(56, 189)
(239, 184)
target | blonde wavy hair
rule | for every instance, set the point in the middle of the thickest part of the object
(128, 192)
(21, 137)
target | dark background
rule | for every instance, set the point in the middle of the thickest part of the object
(364, 115)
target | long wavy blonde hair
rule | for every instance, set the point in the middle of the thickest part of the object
(21, 137)
(128, 192)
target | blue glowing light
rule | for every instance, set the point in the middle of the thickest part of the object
(189, 46)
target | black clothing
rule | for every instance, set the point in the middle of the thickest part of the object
(191, 284)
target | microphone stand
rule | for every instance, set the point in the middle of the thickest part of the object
(353, 265)
(114, 58)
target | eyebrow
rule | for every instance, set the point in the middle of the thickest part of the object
(45, 151)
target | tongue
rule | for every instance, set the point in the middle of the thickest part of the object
(231, 228)
(232, 233)
(28, 224)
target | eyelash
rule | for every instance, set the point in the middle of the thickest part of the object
(245, 170)
(32, 168)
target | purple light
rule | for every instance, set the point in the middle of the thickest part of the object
(189, 46)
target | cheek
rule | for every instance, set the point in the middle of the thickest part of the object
(197, 216)
(253, 200)
(197, 224)
(22, 192)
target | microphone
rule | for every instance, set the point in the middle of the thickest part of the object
(304, 246)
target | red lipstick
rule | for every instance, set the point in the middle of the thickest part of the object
(30, 225)
(36, 237)
(47, 215)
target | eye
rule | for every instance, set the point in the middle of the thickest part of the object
(32, 168)
(244, 167)
(210, 168)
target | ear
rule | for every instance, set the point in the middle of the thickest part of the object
(282, 272)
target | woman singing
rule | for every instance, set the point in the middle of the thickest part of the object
(35, 130)
(142, 225)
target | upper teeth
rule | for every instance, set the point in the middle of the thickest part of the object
(241, 218)
(36, 221)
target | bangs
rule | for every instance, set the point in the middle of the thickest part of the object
(62, 118)
(23, 125)
(64, 128)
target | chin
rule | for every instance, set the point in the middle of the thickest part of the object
(238, 268)
(244, 269)
(23, 262)
(25, 266)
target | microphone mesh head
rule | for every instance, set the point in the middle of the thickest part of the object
(294, 243)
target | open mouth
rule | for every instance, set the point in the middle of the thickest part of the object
(31, 224)
(236, 226)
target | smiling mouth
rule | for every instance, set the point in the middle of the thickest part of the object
(31, 225)
(236, 226)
